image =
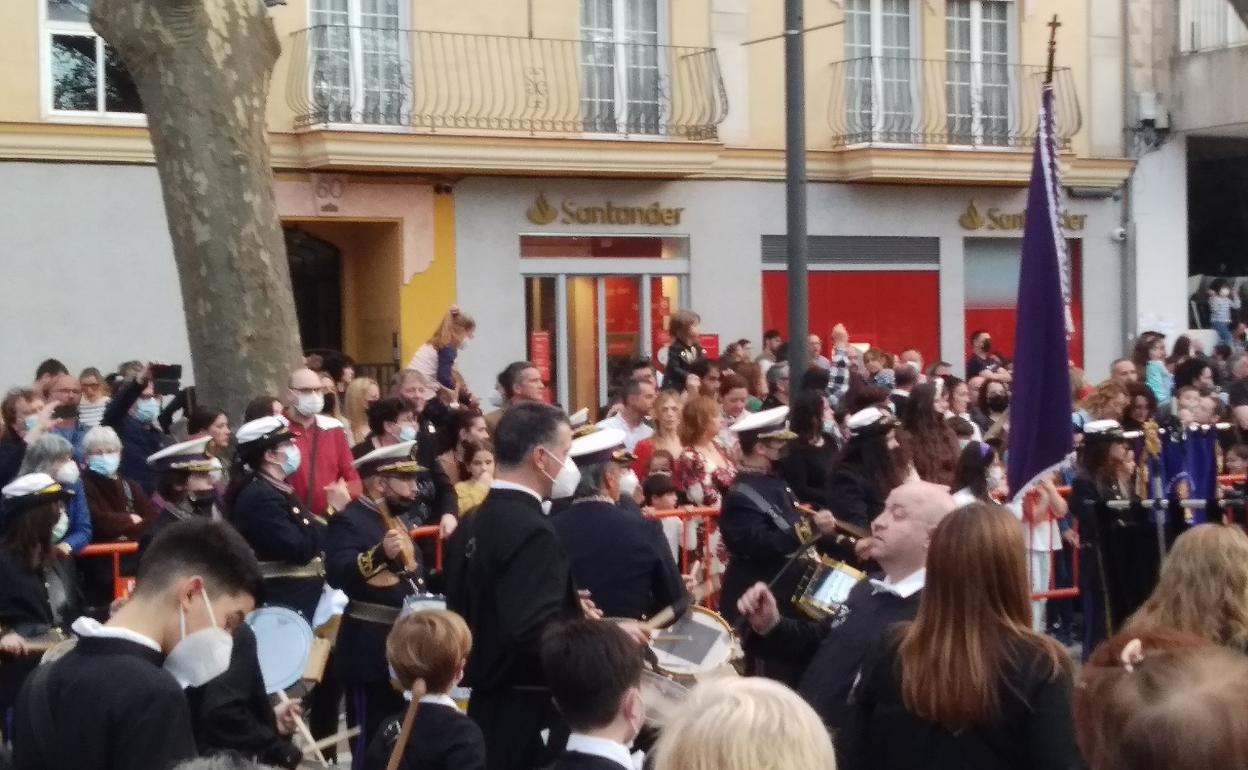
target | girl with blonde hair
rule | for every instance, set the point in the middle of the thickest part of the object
(436, 358)
(744, 724)
(1203, 588)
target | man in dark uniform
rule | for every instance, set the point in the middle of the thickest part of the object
(513, 581)
(370, 556)
(183, 465)
(621, 558)
(758, 521)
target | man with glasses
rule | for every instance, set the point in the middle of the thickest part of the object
(94, 397)
(327, 477)
(66, 396)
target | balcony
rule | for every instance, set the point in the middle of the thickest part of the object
(931, 103)
(344, 77)
(1213, 42)
(1209, 25)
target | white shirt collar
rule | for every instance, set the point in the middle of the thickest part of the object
(439, 698)
(91, 628)
(499, 484)
(903, 589)
(601, 747)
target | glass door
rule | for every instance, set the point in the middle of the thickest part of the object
(585, 331)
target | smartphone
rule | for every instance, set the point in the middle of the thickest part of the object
(166, 379)
(65, 412)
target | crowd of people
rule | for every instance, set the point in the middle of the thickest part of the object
(556, 569)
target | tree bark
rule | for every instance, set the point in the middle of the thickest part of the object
(202, 68)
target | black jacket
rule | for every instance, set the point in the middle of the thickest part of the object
(679, 358)
(759, 544)
(833, 652)
(26, 595)
(232, 712)
(12, 452)
(808, 470)
(575, 760)
(516, 582)
(1034, 732)
(852, 498)
(280, 529)
(442, 738)
(354, 555)
(111, 708)
(622, 559)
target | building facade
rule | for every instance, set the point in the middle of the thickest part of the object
(573, 171)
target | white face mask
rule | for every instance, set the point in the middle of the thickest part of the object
(68, 474)
(202, 656)
(61, 528)
(310, 404)
(996, 476)
(565, 482)
(628, 483)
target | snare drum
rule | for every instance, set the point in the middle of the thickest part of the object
(421, 603)
(660, 696)
(825, 587)
(699, 643)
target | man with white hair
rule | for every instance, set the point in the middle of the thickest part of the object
(832, 651)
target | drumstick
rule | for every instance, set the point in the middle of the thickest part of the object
(666, 639)
(849, 529)
(304, 732)
(666, 615)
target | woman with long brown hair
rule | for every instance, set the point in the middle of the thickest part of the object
(968, 683)
(1203, 588)
(927, 439)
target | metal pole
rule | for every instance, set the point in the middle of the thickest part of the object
(795, 191)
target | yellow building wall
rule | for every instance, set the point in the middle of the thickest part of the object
(425, 299)
(19, 57)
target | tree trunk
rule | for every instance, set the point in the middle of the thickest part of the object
(202, 68)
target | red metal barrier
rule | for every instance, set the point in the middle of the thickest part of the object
(122, 586)
(691, 516)
(433, 531)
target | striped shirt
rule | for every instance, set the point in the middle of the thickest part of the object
(90, 414)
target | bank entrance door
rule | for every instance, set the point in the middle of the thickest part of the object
(588, 319)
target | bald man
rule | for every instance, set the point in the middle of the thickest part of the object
(326, 477)
(833, 651)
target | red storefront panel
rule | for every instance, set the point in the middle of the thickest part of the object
(890, 310)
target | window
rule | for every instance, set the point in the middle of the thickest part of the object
(878, 35)
(84, 74)
(622, 70)
(360, 62)
(978, 80)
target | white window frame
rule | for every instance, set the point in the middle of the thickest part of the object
(876, 54)
(49, 28)
(355, 66)
(620, 31)
(976, 21)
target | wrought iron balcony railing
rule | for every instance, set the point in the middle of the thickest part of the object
(444, 81)
(931, 102)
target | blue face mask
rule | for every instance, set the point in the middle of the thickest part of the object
(31, 421)
(407, 433)
(293, 458)
(105, 465)
(147, 411)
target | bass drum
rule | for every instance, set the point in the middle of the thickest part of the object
(283, 645)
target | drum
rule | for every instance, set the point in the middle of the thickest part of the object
(422, 602)
(283, 645)
(699, 643)
(660, 696)
(825, 587)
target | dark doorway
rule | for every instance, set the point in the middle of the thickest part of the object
(316, 277)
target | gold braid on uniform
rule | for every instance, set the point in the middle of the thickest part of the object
(804, 529)
(371, 562)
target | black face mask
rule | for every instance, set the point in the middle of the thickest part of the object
(985, 345)
(998, 403)
(202, 504)
(331, 401)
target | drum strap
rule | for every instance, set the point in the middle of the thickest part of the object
(273, 570)
(368, 612)
(766, 507)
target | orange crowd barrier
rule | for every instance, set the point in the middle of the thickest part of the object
(692, 516)
(425, 533)
(122, 585)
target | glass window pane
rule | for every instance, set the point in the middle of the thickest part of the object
(74, 73)
(70, 10)
(583, 344)
(543, 341)
(120, 94)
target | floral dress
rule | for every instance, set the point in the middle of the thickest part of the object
(700, 481)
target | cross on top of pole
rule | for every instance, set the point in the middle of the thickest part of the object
(1052, 25)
